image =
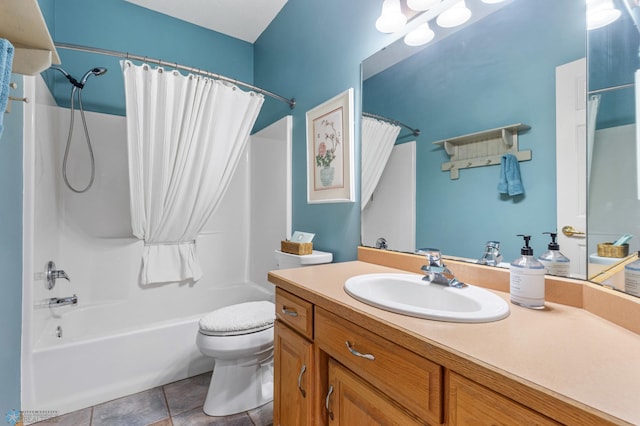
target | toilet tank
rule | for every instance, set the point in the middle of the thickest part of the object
(287, 260)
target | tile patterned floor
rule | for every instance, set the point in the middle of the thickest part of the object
(176, 404)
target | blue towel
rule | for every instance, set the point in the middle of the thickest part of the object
(510, 181)
(6, 61)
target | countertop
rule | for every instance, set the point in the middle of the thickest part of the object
(562, 351)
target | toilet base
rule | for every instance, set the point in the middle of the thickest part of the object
(239, 385)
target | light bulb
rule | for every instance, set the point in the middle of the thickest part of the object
(419, 36)
(601, 13)
(456, 15)
(422, 4)
(391, 19)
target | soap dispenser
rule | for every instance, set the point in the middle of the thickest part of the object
(632, 277)
(555, 262)
(526, 278)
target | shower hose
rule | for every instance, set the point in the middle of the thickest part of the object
(75, 89)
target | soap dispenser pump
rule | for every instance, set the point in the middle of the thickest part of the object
(526, 278)
(555, 262)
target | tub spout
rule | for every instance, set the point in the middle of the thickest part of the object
(63, 301)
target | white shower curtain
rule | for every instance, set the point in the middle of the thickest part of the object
(592, 117)
(378, 138)
(185, 137)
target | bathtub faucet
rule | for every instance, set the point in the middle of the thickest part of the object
(52, 274)
(63, 301)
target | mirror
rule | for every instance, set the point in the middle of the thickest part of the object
(614, 206)
(497, 71)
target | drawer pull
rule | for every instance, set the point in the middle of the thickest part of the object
(326, 402)
(302, 391)
(356, 353)
(290, 312)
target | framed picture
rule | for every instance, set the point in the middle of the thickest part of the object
(330, 167)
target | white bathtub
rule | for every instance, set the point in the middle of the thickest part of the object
(100, 357)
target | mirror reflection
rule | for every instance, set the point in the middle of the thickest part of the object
(498, 71)
(614, 205)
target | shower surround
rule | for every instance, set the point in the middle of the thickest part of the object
(123, 337)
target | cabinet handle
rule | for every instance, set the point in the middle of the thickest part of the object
(356, 353)
(326, 402)
(302, 370)
(290, 312)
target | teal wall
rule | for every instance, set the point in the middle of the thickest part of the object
(312, 51)
(496, 72)
(11, 253)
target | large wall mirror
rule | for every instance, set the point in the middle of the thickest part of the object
(500, 71)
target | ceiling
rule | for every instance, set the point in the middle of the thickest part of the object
(242, 19)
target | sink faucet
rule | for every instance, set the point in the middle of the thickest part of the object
(491, 254)
(63, 301)
(436, 272)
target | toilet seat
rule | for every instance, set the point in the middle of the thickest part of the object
(235, 320)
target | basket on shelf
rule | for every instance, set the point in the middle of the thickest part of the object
(296, 248)
(609, 250)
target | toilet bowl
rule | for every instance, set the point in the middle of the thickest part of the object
(240, 340)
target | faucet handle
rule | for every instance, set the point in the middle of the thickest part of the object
(52, 274)
(433, 256)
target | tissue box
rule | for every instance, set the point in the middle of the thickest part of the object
(296, 248)
(609, 250)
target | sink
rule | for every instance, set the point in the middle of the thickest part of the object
(409, 294)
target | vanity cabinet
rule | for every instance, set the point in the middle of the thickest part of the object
(333, 369)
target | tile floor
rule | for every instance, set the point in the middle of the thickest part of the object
(176, 404)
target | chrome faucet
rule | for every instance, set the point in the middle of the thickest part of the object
(381, 243)
(491, 254)
(63, 301)
(436, 272)
(51, 274)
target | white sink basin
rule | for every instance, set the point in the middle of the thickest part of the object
(410, 295)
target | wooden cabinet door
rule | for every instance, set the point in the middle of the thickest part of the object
(353, 402)
(473, 404)
(293, 371)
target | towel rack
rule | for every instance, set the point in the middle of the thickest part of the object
(483, 148)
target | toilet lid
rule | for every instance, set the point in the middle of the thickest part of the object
(242, 318)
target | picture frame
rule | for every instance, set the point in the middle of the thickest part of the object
(330, 146)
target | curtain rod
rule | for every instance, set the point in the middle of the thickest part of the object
(127, 55)
(415, 132)
(608, 89)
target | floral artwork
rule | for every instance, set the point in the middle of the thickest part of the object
(327, 140)
(330, 151)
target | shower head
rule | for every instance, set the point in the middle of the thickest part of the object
(93, 71)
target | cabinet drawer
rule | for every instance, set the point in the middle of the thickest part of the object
(471, 403)
(407, 378)
(296, 312)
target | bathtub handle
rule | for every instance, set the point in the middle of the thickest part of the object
(302, 370)
(290, 312)
(52, 274)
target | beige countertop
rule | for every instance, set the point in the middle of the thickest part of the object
(562, 351)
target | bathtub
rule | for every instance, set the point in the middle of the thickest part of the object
(100, 356)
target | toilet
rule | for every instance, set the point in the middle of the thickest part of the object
(240, 340)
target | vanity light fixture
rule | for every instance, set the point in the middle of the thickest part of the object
(456, 15)
(419, 36)
(420, 5)
(601, 13)
(391, 19)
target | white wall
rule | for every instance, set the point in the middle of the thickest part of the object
(391, 213)
(614, 208)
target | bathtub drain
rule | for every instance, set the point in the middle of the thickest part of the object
(59, 331)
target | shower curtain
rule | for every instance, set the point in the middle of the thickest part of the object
(378, 138)
(185, 137)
